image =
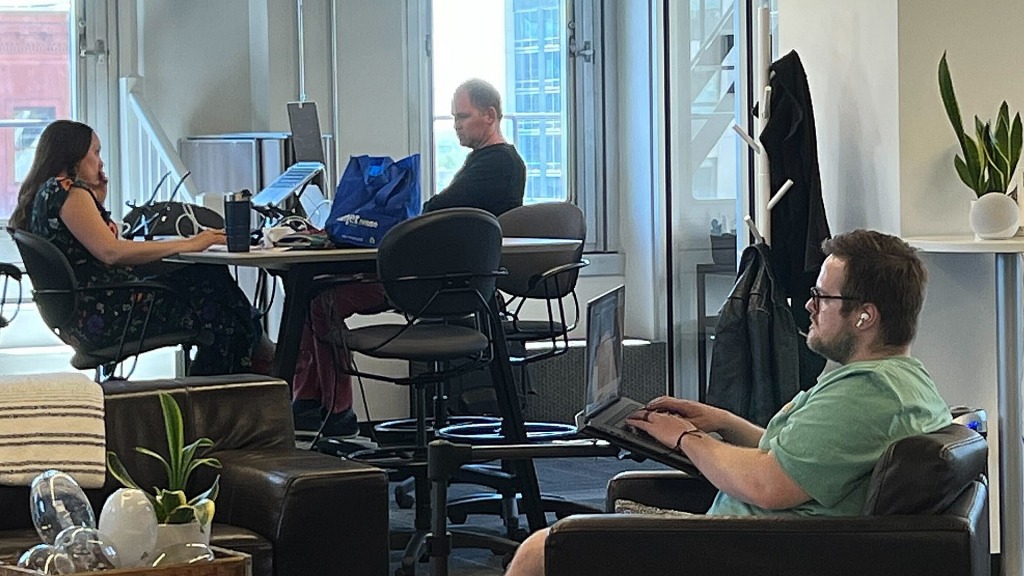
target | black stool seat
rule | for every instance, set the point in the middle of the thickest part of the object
(421, 343)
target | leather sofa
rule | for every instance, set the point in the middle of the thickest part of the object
(927, 513)
(298, 513)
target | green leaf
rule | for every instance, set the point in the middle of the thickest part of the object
(119, 472)
(964, 172)
(175, 441)
(151, 454)
(210, 494)
(1016, 141)
(949, 102)
(180, 515)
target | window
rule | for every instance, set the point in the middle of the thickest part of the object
(26, 136)
(522, 48)
(35, 85)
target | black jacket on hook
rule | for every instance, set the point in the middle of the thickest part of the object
(799, 223)
(755, 364)
(798, 220)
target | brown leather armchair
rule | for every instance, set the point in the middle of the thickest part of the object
(927, 513)
(296, 512)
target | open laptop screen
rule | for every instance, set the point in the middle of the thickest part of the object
(604, 349)
(305, 126)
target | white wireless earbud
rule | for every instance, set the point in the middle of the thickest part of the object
(864, 317)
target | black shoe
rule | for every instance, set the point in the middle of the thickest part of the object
(342, 424)
(308, 414)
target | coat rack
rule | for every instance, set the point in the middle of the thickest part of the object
(764, 201)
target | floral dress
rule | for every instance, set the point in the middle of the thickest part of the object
(204, 298)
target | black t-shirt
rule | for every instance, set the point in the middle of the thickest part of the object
(493, 178)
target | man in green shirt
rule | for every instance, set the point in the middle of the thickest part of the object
(816, 456)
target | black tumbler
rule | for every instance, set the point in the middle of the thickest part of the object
(237, 224)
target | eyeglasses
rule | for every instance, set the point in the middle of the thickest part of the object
(817, 296)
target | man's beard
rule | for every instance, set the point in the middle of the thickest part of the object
(838, 349)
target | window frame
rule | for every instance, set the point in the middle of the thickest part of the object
(589, 101)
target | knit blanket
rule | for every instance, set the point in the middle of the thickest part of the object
(51, 421)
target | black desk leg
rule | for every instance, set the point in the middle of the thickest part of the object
(512, 424)
(297, 295)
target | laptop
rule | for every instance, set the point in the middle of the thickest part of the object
(309, 167)
(606, 410)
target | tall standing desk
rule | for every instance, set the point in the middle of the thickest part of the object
(1009, 350)
(299, 267)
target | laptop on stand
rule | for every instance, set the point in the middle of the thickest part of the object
(606, 410)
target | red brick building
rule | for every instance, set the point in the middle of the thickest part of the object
(34, 84)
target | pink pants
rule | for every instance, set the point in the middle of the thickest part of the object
(317, 377)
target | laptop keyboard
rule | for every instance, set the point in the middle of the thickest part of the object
(618, 419)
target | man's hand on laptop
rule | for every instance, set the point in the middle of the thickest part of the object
(665, 427)
(730, 427)
(707, 418)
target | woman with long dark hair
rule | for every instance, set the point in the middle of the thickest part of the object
(61, 199)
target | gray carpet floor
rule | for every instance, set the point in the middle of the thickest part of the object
(578, 479)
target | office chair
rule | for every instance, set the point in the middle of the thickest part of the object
(437, 269)
(57, 293)
(548, 279)
(8, 272)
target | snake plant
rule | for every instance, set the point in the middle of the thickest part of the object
(990, 158)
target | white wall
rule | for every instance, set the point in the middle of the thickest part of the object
(194, 63)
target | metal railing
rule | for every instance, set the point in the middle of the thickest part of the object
(147, 154)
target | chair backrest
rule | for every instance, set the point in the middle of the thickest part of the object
(452, 255)
(925, 474)
(544, 220)
(53, 280)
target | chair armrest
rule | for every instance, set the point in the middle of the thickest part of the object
(557, 270)
(11, 270)
(318, 511)
(600, 545)
(668, 489)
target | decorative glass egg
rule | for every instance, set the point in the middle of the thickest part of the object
(87, 549)
(45, 559)
(58, 502)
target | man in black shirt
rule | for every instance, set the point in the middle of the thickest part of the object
(493, 177)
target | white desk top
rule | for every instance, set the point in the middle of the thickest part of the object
(277, 257)
(965, 244)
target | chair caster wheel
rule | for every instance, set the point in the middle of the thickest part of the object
(404, 500)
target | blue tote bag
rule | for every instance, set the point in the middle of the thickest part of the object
(374, 194)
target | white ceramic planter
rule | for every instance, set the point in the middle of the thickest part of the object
(171, 534)
(994, 216)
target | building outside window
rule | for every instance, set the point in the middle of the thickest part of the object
(523, 53)
(35, 85)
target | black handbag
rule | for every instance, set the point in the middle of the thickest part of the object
(169, 219)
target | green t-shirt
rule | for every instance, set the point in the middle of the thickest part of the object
(828, 438)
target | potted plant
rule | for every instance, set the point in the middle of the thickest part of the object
(179, 517)
(988, 163)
